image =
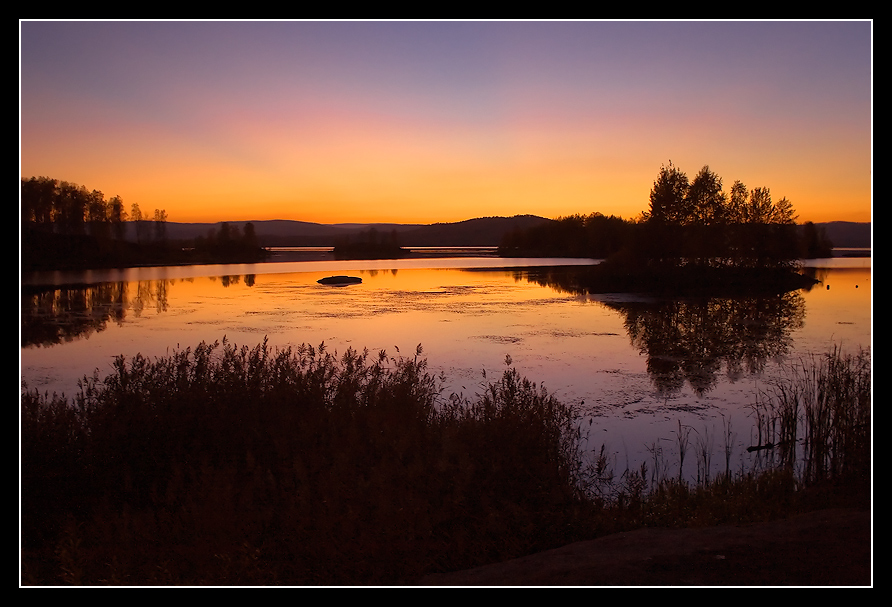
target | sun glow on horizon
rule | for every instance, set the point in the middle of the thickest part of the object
(441, 122)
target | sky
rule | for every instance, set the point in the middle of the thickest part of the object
(424, 122)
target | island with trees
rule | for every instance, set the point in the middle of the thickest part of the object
(693, 236)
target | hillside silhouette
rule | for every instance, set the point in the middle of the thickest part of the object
(480, 232)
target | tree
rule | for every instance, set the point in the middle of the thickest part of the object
(250, 235)
(117, 216)
(736, 208)
(225, 234)
(137, 218)
(759, 208)
(160, 225)
(783, 212)
(815, 242)
(697, 223)
(667, 197)
(705, 202)
(71, 207)
(97, 215)
(39, 195)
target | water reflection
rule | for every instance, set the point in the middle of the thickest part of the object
(638, 366)
(55, 315)
(234, 279)
(692, 341)
(695, 340)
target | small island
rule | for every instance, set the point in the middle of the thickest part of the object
(693, 239)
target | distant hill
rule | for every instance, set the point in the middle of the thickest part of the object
(847, 234)
(481, 232)
(484, 231)
(277, 232)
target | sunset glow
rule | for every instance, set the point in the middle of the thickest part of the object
(422, 122)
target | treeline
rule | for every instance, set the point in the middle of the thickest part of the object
(228, 244)
(687, 222)
(596, 236)
(66, 226)
(68, 208)
(370, 244)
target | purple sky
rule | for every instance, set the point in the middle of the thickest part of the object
(444, 121)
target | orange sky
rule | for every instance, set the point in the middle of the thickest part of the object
(426, 122)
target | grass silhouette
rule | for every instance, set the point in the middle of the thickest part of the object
(227, 465)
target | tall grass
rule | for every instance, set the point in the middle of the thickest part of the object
(230, 465)
(811, 448)
(818, 420)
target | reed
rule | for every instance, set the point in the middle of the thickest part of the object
(229, 465)
(818, 419)
(226, 465)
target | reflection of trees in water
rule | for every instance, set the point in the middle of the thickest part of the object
(562, 279)
(231, 280)
(818, 274)
(53, 315)
(693, 339)
(61, 314)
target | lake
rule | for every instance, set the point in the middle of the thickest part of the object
(635, 367)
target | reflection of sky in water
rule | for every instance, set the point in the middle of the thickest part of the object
(467, 322)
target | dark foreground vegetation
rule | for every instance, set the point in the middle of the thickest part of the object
(228, 465)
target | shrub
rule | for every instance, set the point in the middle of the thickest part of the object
(227, 465)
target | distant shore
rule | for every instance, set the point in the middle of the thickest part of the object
(292, 254)
(298, 254)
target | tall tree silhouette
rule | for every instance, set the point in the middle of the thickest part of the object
(705, 202)
(668, 197)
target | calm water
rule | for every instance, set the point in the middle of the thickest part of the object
(635, 367)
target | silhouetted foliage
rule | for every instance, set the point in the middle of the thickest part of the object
(691, 229)
(227, 245)
(676, 201)
(697, 223)
(65, 226)
(596, 236)
(369, 244)
(668, 197)
(248, 466)
(229, 465)
(814, 242)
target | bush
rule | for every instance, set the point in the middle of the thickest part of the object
(227, 465)
(234, 466)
